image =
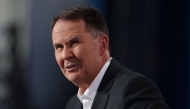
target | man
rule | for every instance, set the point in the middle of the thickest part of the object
(81, 43)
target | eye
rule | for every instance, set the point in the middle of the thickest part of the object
(58, 47)
(74, 42)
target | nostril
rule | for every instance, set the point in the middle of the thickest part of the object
(67, 54)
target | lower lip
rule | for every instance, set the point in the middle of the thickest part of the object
(72, 69)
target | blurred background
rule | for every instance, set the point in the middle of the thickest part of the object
(148, 36)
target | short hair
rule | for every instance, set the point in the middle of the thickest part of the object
(94, 21)
(92, 17)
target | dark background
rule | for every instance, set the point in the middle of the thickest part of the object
(148, 36)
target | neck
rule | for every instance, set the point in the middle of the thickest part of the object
(104, 59)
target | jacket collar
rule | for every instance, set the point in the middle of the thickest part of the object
(102, 95)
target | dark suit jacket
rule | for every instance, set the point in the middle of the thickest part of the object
(122, 88)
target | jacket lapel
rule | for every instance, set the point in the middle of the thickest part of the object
(74, 103)
(77, 105)
(100, 101)
(102, 95)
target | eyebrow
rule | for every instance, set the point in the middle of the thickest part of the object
(56, 44)
(74, 38)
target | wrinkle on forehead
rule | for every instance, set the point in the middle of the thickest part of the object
(66, 36)
(65, 30)
(66, 25)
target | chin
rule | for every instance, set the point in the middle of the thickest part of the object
(73, 78)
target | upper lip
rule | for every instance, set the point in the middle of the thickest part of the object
(70, 66)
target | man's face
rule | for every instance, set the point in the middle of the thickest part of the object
(77, 53)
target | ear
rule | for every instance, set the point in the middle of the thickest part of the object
(103, 44)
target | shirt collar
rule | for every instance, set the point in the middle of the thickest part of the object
(92, 89)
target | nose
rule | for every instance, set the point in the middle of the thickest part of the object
(67, 54)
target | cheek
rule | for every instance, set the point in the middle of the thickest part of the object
(79, 53)
(59, 60)
(61, 64)
(57, 57)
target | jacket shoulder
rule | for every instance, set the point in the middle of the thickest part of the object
(135, 90)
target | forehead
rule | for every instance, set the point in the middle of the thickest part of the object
(68, 25)
(65, 30)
